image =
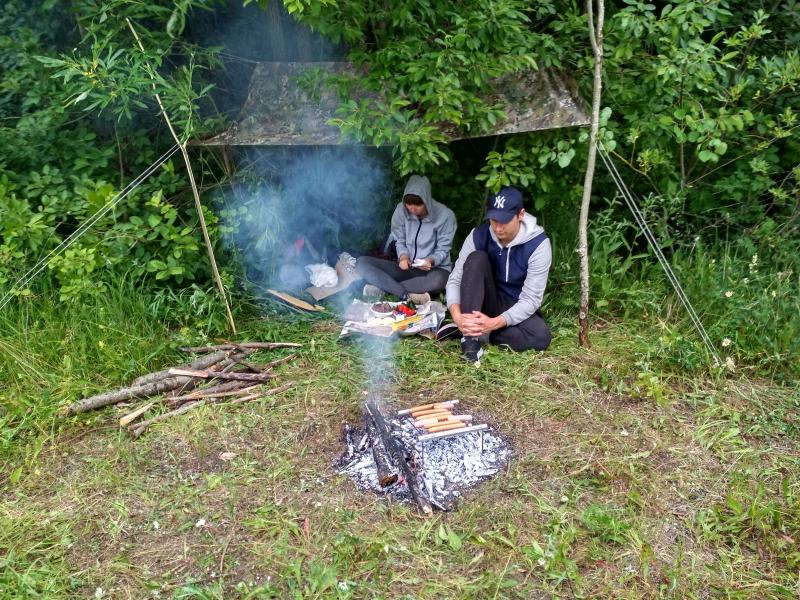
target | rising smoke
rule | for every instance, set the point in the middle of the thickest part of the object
(304, 206)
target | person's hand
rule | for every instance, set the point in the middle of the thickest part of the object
(404, 263)
(427, 266)
(476, 323)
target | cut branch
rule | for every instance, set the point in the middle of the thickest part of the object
(141, 427)
(234, 346)
(119, 395)
(201, 363)
(221, 375)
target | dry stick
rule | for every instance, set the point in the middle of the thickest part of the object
(234, 346)
(207, 392)
(272, 392)
(196, 194)
(216, 394)
(278, 361)
(139, 429)
(200, 363)
(131, 417)
(221, 375)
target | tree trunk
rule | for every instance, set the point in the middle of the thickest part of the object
(596, 38)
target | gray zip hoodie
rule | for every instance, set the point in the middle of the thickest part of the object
(431, 236)
(530, 298)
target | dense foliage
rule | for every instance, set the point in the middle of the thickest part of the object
(77, 123)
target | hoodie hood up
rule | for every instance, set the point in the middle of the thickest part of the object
(419, 185)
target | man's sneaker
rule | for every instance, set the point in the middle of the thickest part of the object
(471, 350)
(448, 331)
(419, 299)
(371, 291)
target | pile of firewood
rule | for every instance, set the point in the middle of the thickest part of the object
(222, 374)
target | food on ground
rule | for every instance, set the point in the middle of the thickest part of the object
(382, 307)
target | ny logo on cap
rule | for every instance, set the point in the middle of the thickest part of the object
(499, 201)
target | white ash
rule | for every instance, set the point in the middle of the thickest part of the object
(444, 466)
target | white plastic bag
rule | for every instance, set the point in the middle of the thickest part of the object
(322, 275)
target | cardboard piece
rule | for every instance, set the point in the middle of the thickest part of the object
(296, 302)
(347, 276)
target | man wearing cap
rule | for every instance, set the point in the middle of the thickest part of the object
(497, 284)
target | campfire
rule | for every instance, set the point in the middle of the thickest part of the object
(425, 454)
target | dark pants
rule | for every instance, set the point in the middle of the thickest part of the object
(478, 292)
(388, 276)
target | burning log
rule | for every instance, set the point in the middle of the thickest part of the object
(397, 452)
(387, 472)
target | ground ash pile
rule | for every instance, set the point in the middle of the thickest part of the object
(445, 466)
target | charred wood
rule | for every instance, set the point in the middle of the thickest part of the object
(387, 472)
(398, 453)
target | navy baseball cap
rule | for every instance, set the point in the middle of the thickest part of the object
(503, 205)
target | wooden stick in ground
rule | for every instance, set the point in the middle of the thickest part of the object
(201, 363)
(221, 375)
(234, 346)
(195, 193)
(398, 454)
(141, 427)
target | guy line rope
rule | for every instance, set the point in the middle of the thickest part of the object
(23, 281)
(651, 239)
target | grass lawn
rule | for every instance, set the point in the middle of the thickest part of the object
(625, 483)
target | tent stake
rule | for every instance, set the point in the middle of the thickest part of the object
(196, 194)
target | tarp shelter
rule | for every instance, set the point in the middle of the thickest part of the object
(279, 112)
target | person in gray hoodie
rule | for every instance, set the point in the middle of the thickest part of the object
(423, 230)
(498, 282)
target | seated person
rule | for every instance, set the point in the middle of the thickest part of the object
(423, 230)
(497, 285)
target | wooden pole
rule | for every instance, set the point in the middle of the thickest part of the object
(596, 38)
(196, 194)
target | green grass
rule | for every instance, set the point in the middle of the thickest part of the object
(627, 481)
